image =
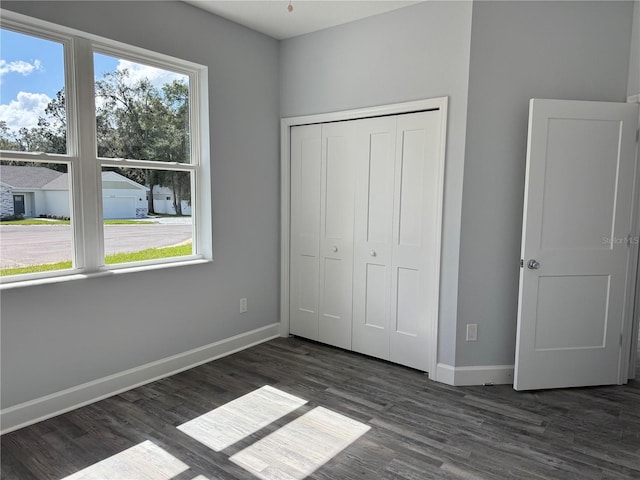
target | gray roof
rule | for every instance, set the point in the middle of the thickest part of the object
(43, 178)
(61, 182)
(27, 177)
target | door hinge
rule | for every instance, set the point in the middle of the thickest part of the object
(522, 263)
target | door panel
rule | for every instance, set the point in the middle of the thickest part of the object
(577, 219)
(336, 234)
(379, 163)
(306, 299)
(411, 187)
(337, 188)
(415, 249)
(305, 230)
(571, 296)
(377, 297)
(409, 310)
(376, 138)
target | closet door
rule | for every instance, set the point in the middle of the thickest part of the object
(336, 234)
(415, 238)
(305, 230)
(373, 234)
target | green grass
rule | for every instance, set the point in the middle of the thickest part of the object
(5, 272)
(127, 222)
(36, 221)
(148, 254)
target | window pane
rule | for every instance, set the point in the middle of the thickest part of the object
(139, 226)
(32, 106)
(142, 112)
(35, 231)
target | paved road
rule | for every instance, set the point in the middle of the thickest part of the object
(22, 245)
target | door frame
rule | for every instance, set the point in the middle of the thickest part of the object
(439, 103)
(634, 277)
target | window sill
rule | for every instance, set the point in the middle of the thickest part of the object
(102, 273)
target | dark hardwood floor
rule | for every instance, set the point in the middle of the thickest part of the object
(419, 429)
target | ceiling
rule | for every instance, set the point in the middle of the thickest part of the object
(273, 18)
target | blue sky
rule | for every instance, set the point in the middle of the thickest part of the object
(32, 72)
(29, 64)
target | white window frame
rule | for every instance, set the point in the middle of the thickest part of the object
(84, 165)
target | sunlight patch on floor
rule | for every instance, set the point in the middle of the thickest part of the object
(145, 461)
(302, 446)
(233, 421)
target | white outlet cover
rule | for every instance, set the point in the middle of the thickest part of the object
(472, 332)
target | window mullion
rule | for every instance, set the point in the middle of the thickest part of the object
(86, 178)
(147, 164)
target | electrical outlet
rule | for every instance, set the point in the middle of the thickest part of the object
(243, 305)
(472, 332)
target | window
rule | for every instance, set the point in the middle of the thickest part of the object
(104, 149)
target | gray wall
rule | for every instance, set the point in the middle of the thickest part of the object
(412, 53)
(61, 335)
(633, 87)
(521, 50)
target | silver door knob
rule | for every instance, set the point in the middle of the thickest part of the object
(373, 253)
(533, 264)
(334, 249)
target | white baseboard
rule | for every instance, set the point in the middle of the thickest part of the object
(485, 374)
(27, 413)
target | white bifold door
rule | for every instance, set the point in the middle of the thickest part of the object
(365, 230)
(578, 245)
(322, 159)
(396, 236)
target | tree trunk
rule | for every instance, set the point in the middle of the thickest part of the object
(177, 197)
(149, 176)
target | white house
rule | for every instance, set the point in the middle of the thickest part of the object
(36, 191)
(163, 201)
(122, 197)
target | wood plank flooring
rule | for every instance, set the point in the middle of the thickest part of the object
(418, 429)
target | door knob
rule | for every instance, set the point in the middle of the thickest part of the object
(373, 253)
(533, 264)
(334, 249)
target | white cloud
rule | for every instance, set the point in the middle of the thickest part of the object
(156, 76)
(24, 110)
(19, 66)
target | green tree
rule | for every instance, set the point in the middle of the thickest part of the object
(7, 142)
(49, 135)
(134, 120)
(138, 121)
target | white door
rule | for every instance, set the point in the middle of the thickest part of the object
(305, 230)
(416, 237)
(573, 300)
(375, 177)
(396, 248)
(635, 330)
(336, 234)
